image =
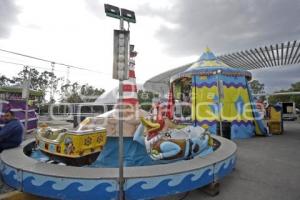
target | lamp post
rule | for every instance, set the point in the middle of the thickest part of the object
(120, 72)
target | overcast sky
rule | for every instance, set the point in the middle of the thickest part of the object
(168, 34)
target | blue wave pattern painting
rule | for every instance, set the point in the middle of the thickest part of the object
(205, 84)
(228, 85)
(147, 188)
(239, 129)
(225, 167)
(228, 81)
(242, 131)
(10, 176)
(205, 122)
(73, 189)
(138, 188)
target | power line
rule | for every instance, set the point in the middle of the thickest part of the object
(13, 63)
(54, 62)
(15, 59)
(31, 66)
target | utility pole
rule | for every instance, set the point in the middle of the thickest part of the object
(68, 75)
(25, 94)
(52, 84)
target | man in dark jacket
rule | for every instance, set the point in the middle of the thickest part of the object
(11, 135)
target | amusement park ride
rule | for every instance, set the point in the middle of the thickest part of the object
(127, 153)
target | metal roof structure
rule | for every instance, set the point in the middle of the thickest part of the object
(160, 83)
(280, 54)
(267, 56)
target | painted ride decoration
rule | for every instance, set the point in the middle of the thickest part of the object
(167, 139)
(173, 144)
(78, 147)
(164, 139)
(275, 119)
(94, 145)
(217, 93)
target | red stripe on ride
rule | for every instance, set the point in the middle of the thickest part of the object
(131, 101)
(131, 74)
(129, 88)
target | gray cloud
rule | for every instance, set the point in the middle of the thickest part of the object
(230, 25)
(147, 10)
(277, 78)
(8, 16)
(96, 7)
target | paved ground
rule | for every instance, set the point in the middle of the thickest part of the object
(267, 168)
(5, 188)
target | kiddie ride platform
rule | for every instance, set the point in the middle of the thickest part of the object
(141, 182)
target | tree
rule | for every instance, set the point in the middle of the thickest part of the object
(5, 81)
(70, 94)
(145, 98)
(45, 81)
(89, 93)
(39, 81)
(257, 87)
(296, 98)
(295, 87)
(76, 93)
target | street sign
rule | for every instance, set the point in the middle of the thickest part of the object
(120, 57)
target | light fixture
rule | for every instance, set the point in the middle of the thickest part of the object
(128, 15)
(112, 11)
(120, 64)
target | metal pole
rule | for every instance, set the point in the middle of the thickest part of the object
(219, 105)
(121, 172)
(68, 75)
(121, 147)
(52, 84)
(26, 100)
(26, 115)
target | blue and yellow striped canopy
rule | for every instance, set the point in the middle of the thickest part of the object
(208, 64)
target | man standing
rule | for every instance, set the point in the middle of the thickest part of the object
(11, 135)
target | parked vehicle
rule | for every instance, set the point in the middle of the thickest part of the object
(289, 111)
(76, 112)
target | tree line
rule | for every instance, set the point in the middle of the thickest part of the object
(65, 91)
(258, 88)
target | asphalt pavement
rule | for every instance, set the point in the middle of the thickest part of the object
(267, 168)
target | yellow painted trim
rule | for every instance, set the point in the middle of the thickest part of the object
(17, 195)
